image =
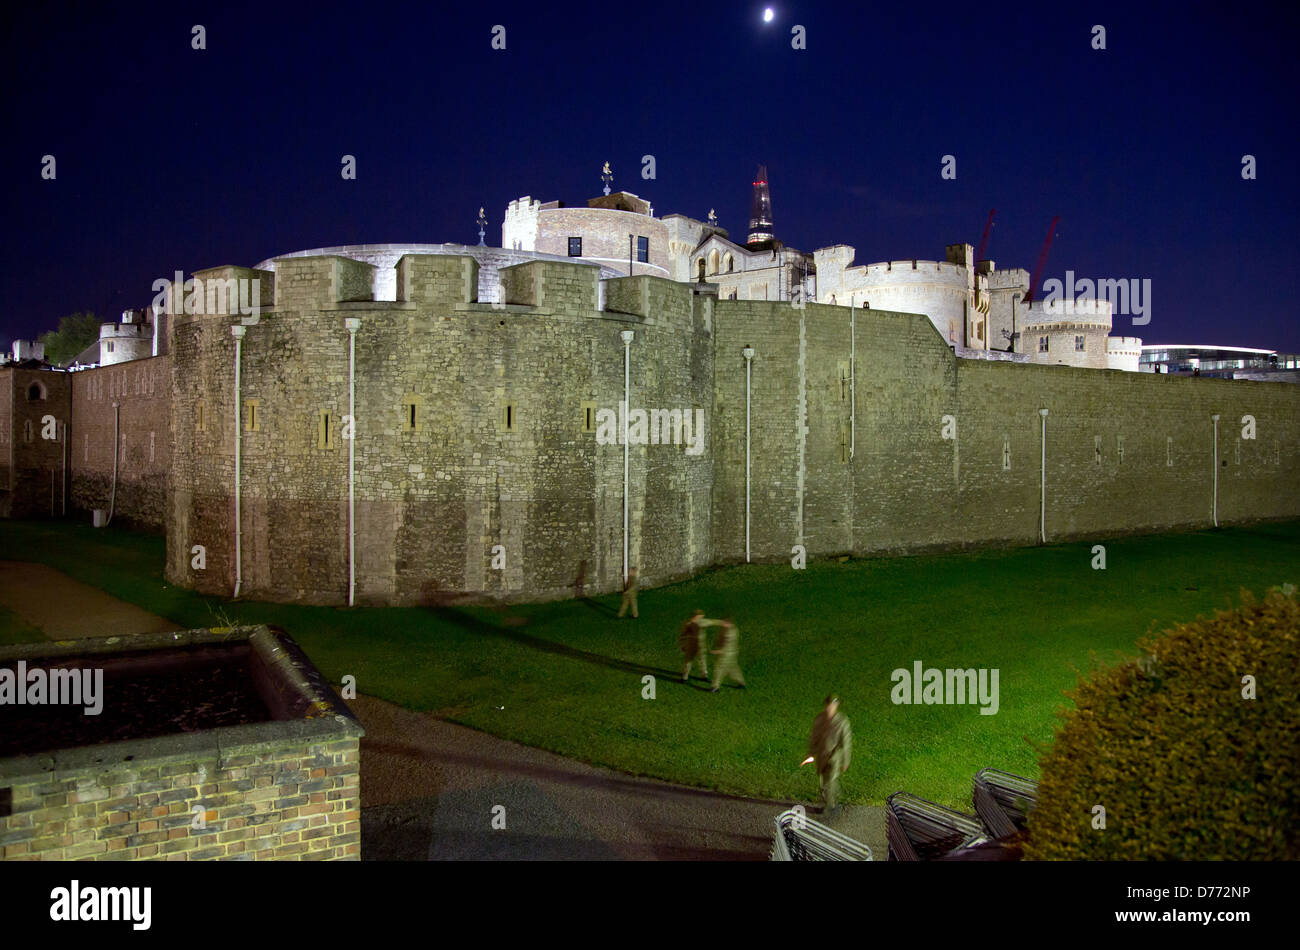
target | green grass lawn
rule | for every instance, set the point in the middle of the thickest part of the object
(568, 676)
(14, 629)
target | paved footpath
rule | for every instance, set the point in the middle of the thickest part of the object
(428, 787)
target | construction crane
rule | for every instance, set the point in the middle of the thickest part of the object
(1042, 259)
(984, 240)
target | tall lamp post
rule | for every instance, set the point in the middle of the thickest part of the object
(748, 352)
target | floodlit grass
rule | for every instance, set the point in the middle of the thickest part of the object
(569, 675)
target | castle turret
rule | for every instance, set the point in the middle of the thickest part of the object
(760, 214)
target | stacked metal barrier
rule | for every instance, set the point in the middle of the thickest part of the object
(921, 830)
(1003, 801)
(799, 838)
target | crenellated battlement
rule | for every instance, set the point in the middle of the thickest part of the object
(551, 285)
(956, 271)
(1017, 278)
(437, 279)
(313, 282)
(226, 290)
(657, 299)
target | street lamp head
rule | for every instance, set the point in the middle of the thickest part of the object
(749, 352)
(627, 337)
(1042, 412)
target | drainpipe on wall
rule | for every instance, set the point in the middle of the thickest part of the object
(627, 384)
(238, 333)
(1042, 495)
(353, 324)
(1215, 462)
(65, 470)
(853, 376)
(112, 497)
(749, 356)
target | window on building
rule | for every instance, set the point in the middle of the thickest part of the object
(35, 392)
(252, 419)
(844, 382)
(1042, 344)
(588, 417)
(199, 420)
(643, 250)
(1119, 448)
(109, 346)
(325, 427)
(701, 268)
(1078, 344)
(575, 247)
(411, 412)
(1169, 450)
(731, 263)
(733, 296)
(844, 443)
(508, 417)
(1006, 453)
(1096, 448)
(27, 431)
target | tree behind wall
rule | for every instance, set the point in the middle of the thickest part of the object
(76, 332)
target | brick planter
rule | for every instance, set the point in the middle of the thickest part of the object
(284, 783)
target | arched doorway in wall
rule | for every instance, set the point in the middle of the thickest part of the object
(701, 262)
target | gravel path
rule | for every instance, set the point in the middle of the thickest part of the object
(65, 609)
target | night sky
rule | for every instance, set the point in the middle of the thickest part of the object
(170, 158)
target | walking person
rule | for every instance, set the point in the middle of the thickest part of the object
(694, 644)
(728, 653)
(580, 582)
(830, 745)
(629, 594)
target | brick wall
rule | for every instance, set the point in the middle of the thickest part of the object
(266, 803)
(286, 786)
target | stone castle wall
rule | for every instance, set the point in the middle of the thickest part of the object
(142, 391)
(939, 289)
(35, 465)
(1125, 452)
(384, 258)
(503, 449)
(498, 454)
(604, 233)
(6, 439)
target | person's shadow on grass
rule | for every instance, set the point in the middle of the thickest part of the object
(474, 625)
